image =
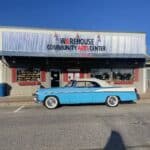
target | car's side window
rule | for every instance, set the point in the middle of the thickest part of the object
(92, 84)
(80, 84)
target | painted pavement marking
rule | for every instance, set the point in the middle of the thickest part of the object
(18, 109)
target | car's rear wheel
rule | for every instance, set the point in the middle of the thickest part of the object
(112, 101)
(51, 102)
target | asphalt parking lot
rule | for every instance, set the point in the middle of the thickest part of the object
(87, 127)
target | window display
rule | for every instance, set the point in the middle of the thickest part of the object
(102, 74)
(122, 74)
(113, 74)
(28, 74)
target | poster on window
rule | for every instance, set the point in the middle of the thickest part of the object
(73, 75)
(70, 76)
(28, 74)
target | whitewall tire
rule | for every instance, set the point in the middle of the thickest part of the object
(112, 101)
(51, 102)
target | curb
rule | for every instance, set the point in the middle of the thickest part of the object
(17, 104)
(143, 101)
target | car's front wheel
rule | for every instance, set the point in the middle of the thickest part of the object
(112, 101)
(51, 102)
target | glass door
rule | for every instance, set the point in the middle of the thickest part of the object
(55, 78)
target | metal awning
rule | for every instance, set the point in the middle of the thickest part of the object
(71, 55)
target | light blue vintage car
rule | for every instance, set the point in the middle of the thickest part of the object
(83, 91)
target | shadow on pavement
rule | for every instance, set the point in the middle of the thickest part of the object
(115, 142)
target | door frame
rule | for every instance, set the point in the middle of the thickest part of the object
(50, 79)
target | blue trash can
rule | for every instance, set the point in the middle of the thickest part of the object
(3, 89)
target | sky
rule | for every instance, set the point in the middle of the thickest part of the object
(92, 15)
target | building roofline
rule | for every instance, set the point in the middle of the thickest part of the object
(73, 30)
(74, 55)
(147, 57)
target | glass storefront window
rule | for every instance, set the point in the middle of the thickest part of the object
(113, 74)
(28, 74)
(122, 74)
(102, 74)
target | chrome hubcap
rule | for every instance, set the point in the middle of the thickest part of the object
(113, 101)
(51, 102)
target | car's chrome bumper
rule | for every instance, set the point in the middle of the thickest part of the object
(35, 98)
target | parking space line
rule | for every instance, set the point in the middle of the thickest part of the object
(18, 109)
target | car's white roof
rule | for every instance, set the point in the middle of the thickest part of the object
(100, 82)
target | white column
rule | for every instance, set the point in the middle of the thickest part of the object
(0, 40)
(1, 72)
(144, 80)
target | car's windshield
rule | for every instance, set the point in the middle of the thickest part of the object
(69, 84)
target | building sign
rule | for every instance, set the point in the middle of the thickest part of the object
(63, 43)
(77, 44)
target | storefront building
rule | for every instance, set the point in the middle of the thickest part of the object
(147, 70)
(33, 57)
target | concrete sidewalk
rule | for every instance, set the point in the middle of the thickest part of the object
(17, 101)
(28, 101)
